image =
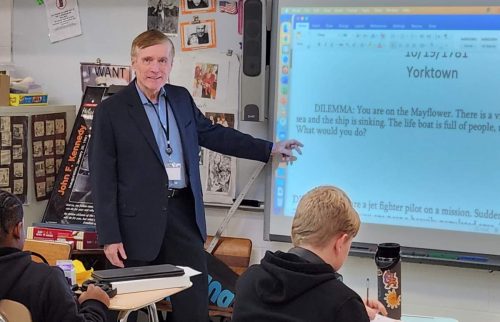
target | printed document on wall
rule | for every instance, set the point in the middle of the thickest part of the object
(63, 19)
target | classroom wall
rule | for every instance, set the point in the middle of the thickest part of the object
(468, 295)
(108, 28)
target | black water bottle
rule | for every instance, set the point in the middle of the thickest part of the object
(388, 260)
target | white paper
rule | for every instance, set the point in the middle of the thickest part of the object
(381, 318)
(5, 31)
(63, 19)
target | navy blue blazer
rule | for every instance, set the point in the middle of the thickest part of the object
(129, 181)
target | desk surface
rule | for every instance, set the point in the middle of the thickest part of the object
(138, 300)
(418, 318)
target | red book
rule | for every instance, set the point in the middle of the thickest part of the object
(80, 240)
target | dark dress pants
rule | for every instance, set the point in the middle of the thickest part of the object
(183, 245)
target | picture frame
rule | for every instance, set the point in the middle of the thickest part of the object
(198, 34)
(197, 6)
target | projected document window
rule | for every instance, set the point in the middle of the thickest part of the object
(402, 104)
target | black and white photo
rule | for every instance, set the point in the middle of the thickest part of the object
(198, 34)
(17, 131)
(40, 169)
(49, 127)
(164, 16)
(37, 149)
(5, 157)
(18, 169)
(39, 128)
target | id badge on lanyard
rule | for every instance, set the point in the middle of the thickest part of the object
(173, 171)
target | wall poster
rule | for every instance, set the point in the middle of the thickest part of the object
(71, 199)
(14, 155)
(100, 74)
(48, 137)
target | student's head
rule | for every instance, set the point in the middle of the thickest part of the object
(152, 54)
(325, 220)
(11, 221)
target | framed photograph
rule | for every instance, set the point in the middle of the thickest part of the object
(50, 166)
(18, 186)
(197, 6)
(164, 16)
(4, 177)
(60, 128)
(60, 146)
(198, 35)
(17, 131)
(18, 170)
(37, 149)
(40, 189)
(39, 169)
(17, 152)
(5, 157)
(39, 128)
(6, 138)
(49, 127)
(48, 147)
(205, 80)
(5, 123)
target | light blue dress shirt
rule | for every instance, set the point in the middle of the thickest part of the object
(159, 128)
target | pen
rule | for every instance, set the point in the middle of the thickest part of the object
(367, 290)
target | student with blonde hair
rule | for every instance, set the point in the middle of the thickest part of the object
(303, 284)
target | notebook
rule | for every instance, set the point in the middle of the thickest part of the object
(134, 273)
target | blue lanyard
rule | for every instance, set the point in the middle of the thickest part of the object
(166, 130)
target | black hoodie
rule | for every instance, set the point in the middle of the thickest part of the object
(43, 290)
(288, 288)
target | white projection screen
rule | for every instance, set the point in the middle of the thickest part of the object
(398, 104)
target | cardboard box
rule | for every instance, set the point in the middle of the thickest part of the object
(4, 89)
(28, 99)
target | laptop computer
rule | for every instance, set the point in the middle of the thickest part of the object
(135, 273)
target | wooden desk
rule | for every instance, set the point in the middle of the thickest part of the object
(127, 303)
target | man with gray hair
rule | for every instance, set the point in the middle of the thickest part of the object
(145, 175)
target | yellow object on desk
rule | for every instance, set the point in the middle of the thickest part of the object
(81, 273)
(34, 99)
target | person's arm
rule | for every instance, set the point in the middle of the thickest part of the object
(59, 303)
(227, 140)
(103, 176)
(232, 142)
(284, 150)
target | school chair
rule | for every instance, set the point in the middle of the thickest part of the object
(12, 311)
(49, 250)
(235, 253)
